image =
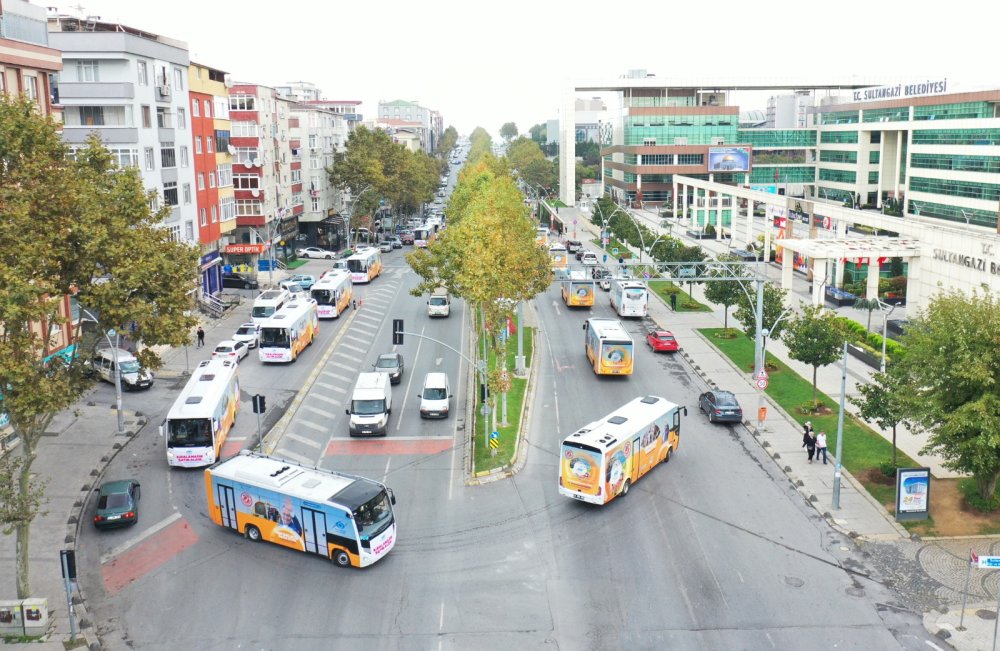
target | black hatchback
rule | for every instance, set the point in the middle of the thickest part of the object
(391, 363)
(238, 281)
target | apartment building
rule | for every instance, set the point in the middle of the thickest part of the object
(319, 133)
(430, 123)
(28, 65)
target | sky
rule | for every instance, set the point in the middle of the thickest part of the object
(485, 64)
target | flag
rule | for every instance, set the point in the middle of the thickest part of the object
(511, 328)
(973, 557)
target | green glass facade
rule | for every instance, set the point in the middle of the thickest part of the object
(987, 164)
(977, 217)
(956, 137)
(953, 188)
(771, 138)
(839, 137)
(900, 114)
(872, 178)
(962, 110)
(830, 156)
(664, 130)
(839, 117)
(873, 157)
(837, 176)
(764, 174)
(833, 194)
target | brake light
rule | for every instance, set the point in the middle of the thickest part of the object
(98, 518)
(129, 514)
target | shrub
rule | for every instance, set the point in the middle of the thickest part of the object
(970, 491)
(710, 230)
(887, 468)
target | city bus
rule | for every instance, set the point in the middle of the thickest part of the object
(578, 289)
(602, 460)
(342, 517)
(365, 265)
(332, 293)
(558, 259)
(423, 236)
(203, 414)
(542, 236)
(267, 303)
(609, 346)
(288, 332)
(629, 298)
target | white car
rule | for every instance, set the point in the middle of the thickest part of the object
(315, 252)
(248, 334)
(589, 258)
(230, 349)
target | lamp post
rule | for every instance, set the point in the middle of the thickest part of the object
(118, 372)
(885, 331)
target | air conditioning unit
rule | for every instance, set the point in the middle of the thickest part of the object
(164, 91)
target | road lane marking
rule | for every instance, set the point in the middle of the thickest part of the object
(409, 382)
(128, 544)
(332, 401)
(352, 347)
(291, 456)
(301, 439)
(385, 473)
(147, 556)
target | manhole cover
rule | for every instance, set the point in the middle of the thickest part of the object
(986, 614)
(794, 581)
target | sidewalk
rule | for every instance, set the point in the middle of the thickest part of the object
(78, 445)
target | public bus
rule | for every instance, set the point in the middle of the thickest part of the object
(267, 303)
(288, 331)
(609, 346)
(332, 293)
(578, 289)
(558, 258)
(342, 517)
(365, 265)
(542, 236)
(602, 460)
(629, 298)
(203, 414)
(423, 236)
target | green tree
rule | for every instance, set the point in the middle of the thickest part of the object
(590, 153)
(726, 293)
(883, 401)
(774, 305)
(100, 244)
(447, 141)
(816, 338)
(539, 133)
(952, 371)
(508, 131)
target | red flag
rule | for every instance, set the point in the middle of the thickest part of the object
(511, 328)
(973, 557)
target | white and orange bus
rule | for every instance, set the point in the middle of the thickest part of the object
(204, 412)
(332, 293)
(609, 346)
(342, 517)
(289, 330)
(365, 266)
(602, 460)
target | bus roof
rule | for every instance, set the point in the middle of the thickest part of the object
(367, 254)
(333, 279)
(622, 422)
(201, 395)
(290, 478)
(289, 313)
(271, 296)
(605, 328)
(631, 284)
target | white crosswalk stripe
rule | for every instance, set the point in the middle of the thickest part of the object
(350, 347)
(301, 439)
(331, 387)
(311, 425)
(291, 456)
(332, 401)
(337, 376)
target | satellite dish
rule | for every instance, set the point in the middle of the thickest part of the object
(254, 192)
(231, 149)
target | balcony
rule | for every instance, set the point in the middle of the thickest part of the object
(96, 90)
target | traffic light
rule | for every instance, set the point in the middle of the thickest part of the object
(397, 332)
(259, 404)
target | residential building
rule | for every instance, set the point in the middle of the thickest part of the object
(588, 113)
(130, 87)
(208, 111)
(349, 110)
(403, 132)
(320, 134)
(414, 113)
(300, 91)
(28, 65)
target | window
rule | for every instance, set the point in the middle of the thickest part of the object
(222, 108)
(168, 155)
(187, 194)
(86, 70)
(126, 157)
(147, 117)
(150, 158)
(246, 181)
(227, 209)
(184, 156)
(143, 72)
(246, 207)
(244, 129)
(195, 108)
(296, 176)
(178, 79)
(208, 108)
(201, 180)
(197, 144)
(221, 140)
(181, 119)
(170, 193)
(163, 118)
(209, 144)
(225, 174)
(242, 103)
(203, 216)
(314, 204)
(314, 163)
(312, 141)
(175, 232)
(211, 179)
(189, 231)
(215, 214)
(244, 155)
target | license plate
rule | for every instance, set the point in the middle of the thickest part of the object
(577, 496)
(114, 517)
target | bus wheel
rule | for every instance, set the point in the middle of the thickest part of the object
(666, 457)
(628, 485)
(253, 533)
(341, 558)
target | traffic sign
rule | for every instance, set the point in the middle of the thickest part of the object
(986, 562)
(762, 383)
(494, 439)
(614, 251)
(762, 375)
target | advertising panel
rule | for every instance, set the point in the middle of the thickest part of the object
(913, 492)
(581, 469)
(616, 359)
(728, 159)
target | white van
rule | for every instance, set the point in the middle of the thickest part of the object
(435, 396)
(371, 404)
(268, 303)
(102, 364)
(440, 303)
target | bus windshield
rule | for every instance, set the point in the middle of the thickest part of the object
(274, 338)
(324, 296)
(357, 265)
(367, 407)
(188, 432)
(373, 516)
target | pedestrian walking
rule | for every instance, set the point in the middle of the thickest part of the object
(201, 337)
(809, 440)
(821, 446)
(354, 303)
(673, 302)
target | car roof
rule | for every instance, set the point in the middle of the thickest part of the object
(116, 486)
(661, 333)
(226, 342)
(392, 355)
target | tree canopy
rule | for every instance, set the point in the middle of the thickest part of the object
(815, 337)
(508, 131)
(774, 305)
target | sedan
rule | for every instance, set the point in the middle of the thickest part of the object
(117, 504)
(248, 334)
(720, 406)
(385, 246)
(396, 242)
(315, 252)
(305, 281)
(589, 258)
(391, 363)
(238, 281)
(230, 349)
(406, 237)
(573, 246)
(662, 341)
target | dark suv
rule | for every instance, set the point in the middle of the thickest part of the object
(239, 281)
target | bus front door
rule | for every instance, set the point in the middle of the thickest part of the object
(314, 530)
(226, 497)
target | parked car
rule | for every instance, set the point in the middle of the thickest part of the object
(315, 252)
(229, 349)
(391, 363)
(132, 376)
(589, 258)
(406, 237)
(662, 341)
(385, 246)
(397, 243)
(248, 334)
(720, 407)
(305, 281)
(598, 273)
(572, 246)
(117, 504)
(238, 281)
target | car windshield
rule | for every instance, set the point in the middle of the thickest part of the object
(438, 300)
(725, 400)
(435, 393)
(367, 407)
(224, 349)
(188, 432)
(130, 366)
(262, 311)
(246, 330)
(386, 362)
(373, 516)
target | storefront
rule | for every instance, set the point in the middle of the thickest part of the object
(211, 273)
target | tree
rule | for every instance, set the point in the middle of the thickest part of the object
(724, 292)
(883, 401)
(952, 375)
(774, 305)
(447, 141)
(101, 245)
(539, 133)
(508, 131)
(816, 338)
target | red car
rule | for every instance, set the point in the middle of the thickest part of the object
(662, 341)
(406, 237)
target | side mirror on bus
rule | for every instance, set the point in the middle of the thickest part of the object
(347, 411)
(685, 410)
(392, 497)
(585, 326)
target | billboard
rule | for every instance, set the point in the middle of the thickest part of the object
(913, 489)
(728, 159)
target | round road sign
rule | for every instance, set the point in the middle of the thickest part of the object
(762, 383)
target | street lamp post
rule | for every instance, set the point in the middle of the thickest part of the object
(885, 332)
(117, 374)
